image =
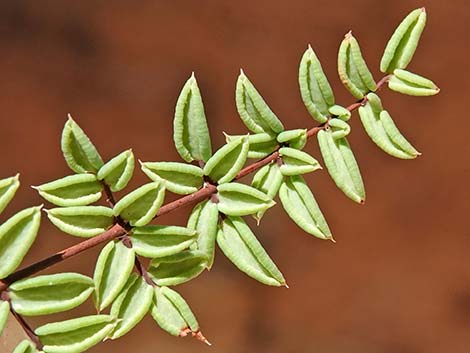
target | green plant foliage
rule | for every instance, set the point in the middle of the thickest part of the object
(50, 293)
(75, 335)
(72, 190)
(260, 145)
(82, 221)
(296, 138)
(4, 311)
(412, 84)
(295, 162)
(8, 187)
(237, 199)
(118, 171)
(268, 180)
(17, 235)
(25, 347)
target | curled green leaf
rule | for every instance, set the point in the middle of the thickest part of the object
(225, 164)
(4, 312)
(340, 112)
(295, 162)
(237, 199)
(25, 346)
(203, 220)
(158, 241)
(82, 221)
(113, 268)
(8, 187)
(179, 178)
(79, 152)
(50, 294)
(294, 138)
(261, 144)
(314, 87)
(17, 235)
(72, 190)
(179, 268)
(191, 134)
(383, 131)
(402, 45)
(240, 245)
(141, 205)
(118, 171)
(253, 110)
(131, 305)
(268, 180)
(302, 208)
(75, 335)
(352, 68)
(341, 164)
(406, 82)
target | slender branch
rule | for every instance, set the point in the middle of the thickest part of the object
(120, 229)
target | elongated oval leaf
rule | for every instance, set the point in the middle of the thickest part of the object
(8, 187)
(50, 294)
(72, 190)
(79, 152)
(118, 171)
(131, 305)
(341, 164)
(191, 135)
(17, 235)
(382, 130)
(302, 208)
(352, 68)
(75, 335)
(294, 138)
(340, 112)
(240, 245)
(268, 180)
(141, 205)
(314, 87)
(113, 268)
(237, 199)
(82, 221)
(253, 110)
(411, 84)
(25, 346)
(295, 162)
(203, 220)
(261, 144)
(179, 268)
(402, 45)
(158, 241)
(179, 178)
(4, 312)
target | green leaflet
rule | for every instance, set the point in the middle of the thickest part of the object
(118, 171)
(382, 130)
(295, 162)
(158, 241)
(172, 313)
(131, 305)
(411, 84)
(261, 144)
(225, 164)
(240, 245)
(141, 205)
(191, 134)
(340, 112)
(237, 199)
(341, 164)
(113, 268)
(75, 335)
(294, 138)
(82, 221)
(4, 312)
(179, 268)
(17, 235)
(8, 187)
(50, 294)
(302, 208)
(179, 178)
(203, 219)
(402, 45)
(268, 180)
(25, 346)
(314, 87)
(79, 152)
(253, 110)
(352, 68)
(72, 190)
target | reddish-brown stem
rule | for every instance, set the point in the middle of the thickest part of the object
(119, 230)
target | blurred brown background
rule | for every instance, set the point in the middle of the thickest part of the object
(398, 279)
